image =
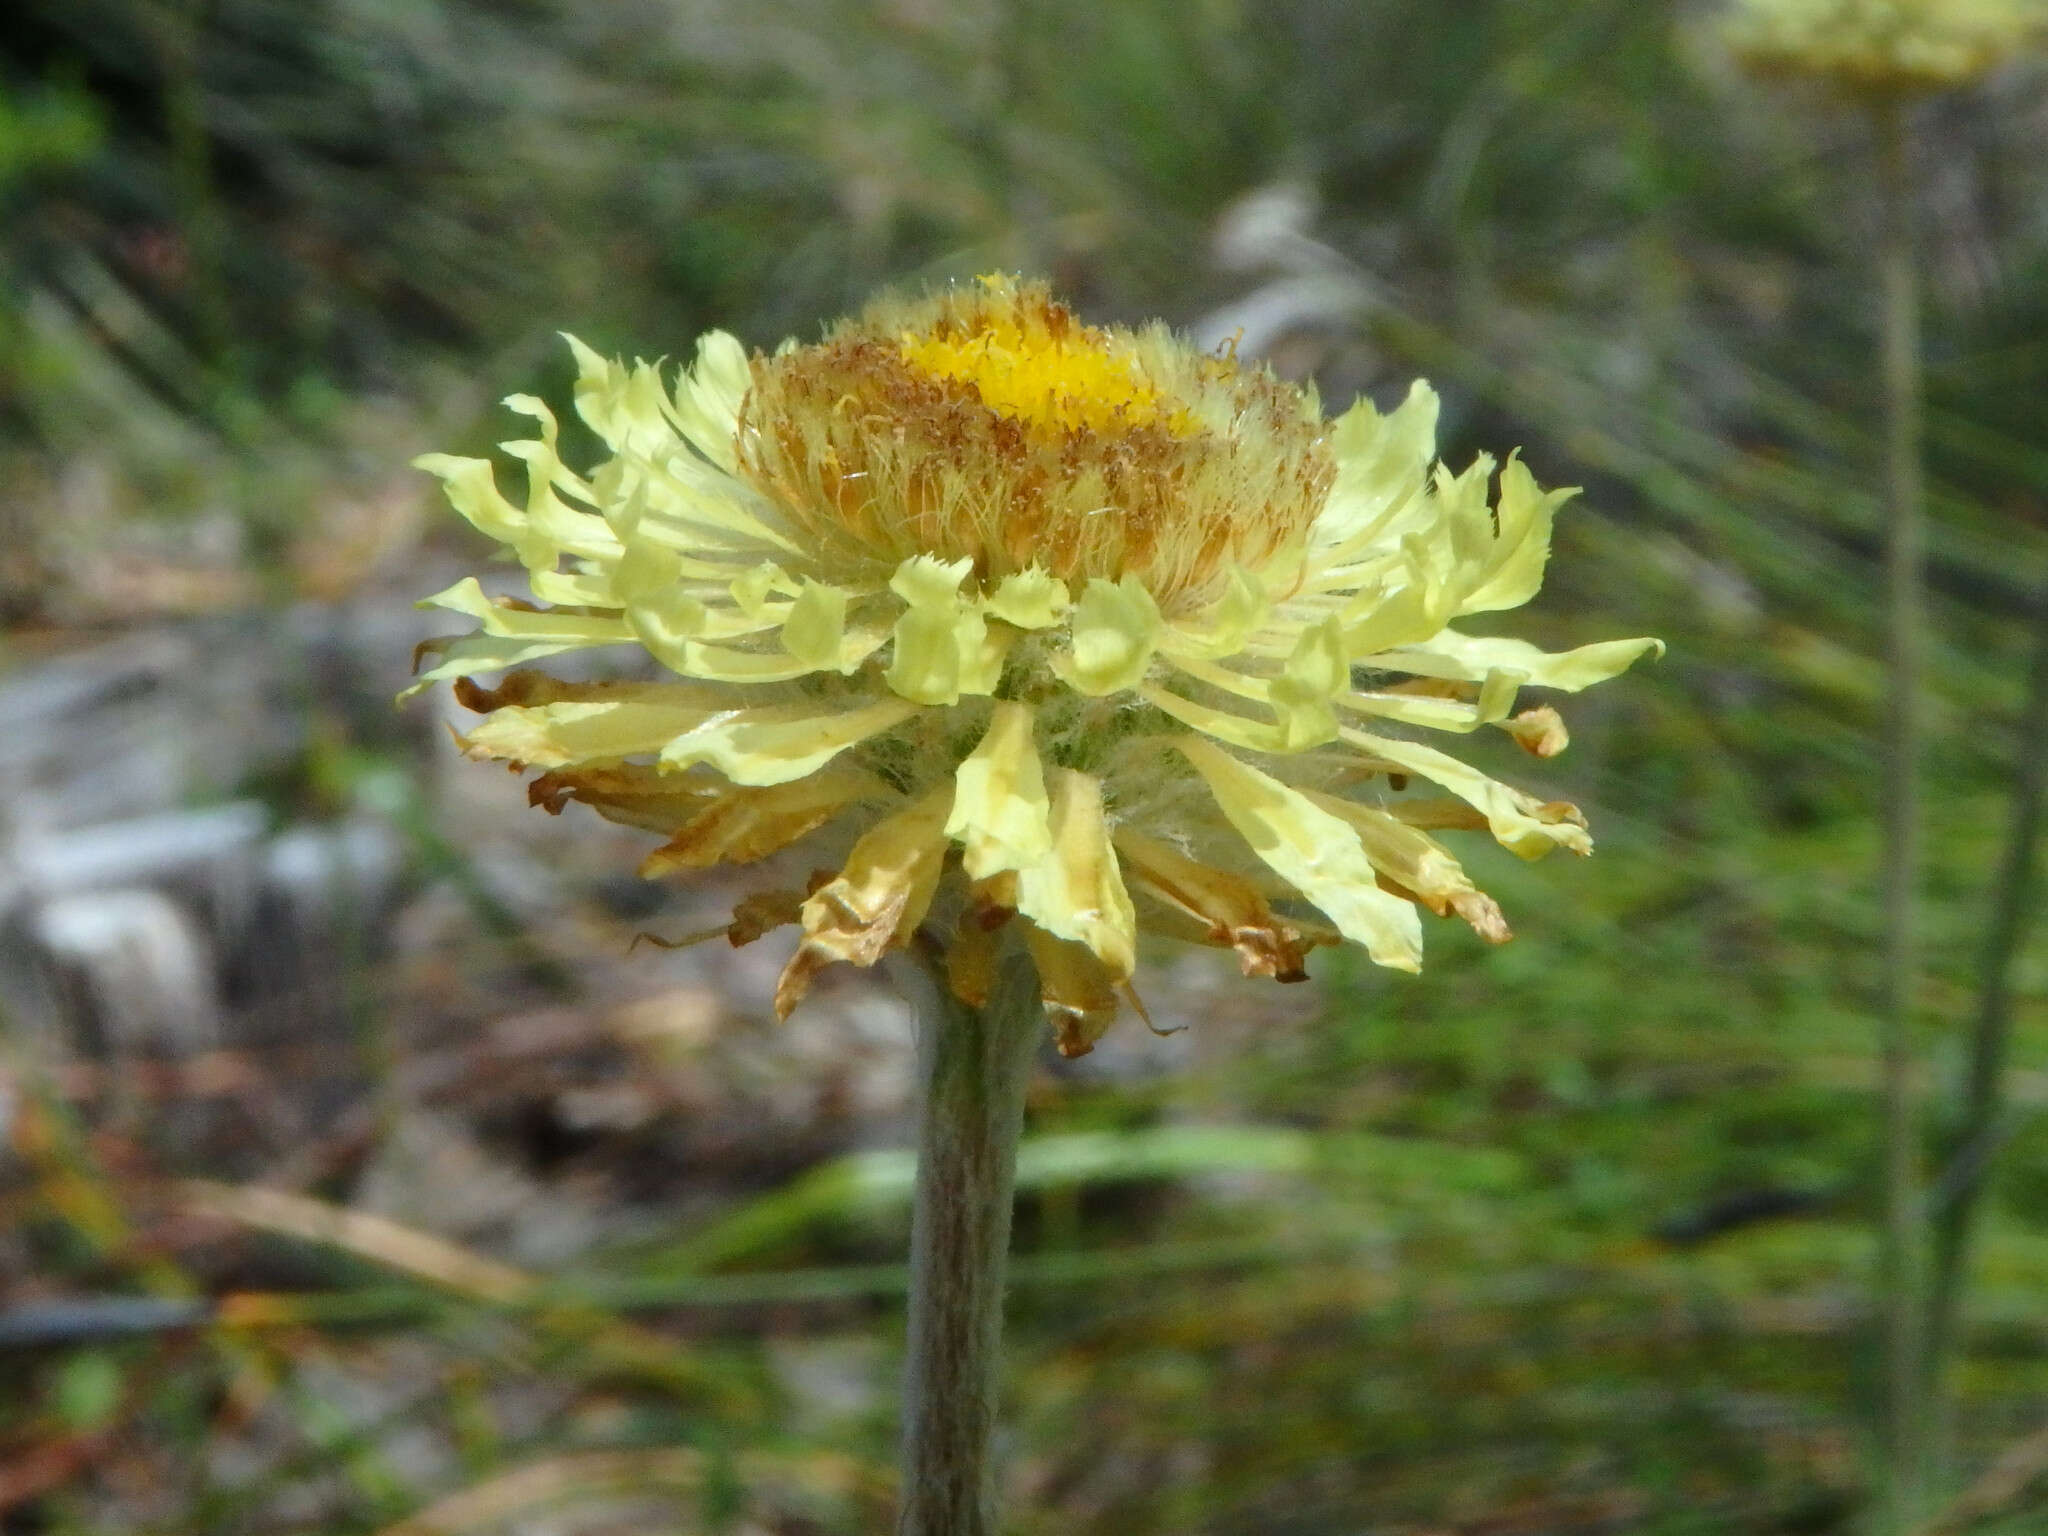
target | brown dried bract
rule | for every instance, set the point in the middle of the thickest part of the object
(742, 823)
(876, 901)
(632, 795)
(1438, 814)
(1229, 910)
(763, 912)
(1474, 906)
(1079, 991)
(1539, 732)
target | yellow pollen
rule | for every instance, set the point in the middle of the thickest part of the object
(1076, 379)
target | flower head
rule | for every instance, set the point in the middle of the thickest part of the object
(1022, 620)
(1884, 46)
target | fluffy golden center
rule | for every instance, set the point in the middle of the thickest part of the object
(989, 423)
(1055, 378)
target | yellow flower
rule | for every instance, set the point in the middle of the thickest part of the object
(1027, 621)
(1884, 46)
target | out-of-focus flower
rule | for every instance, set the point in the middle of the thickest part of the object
(1021, 619)
(1884, 46)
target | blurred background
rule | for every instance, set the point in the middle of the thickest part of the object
(357, 1178)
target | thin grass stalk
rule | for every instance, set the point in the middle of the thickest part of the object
(1905, 1415)
(975, 1065)
(1980, 1126)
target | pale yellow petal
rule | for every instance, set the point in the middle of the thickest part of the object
(925, 581)
(1001, 817)
(535, 719)
(671, 615)
(1223, 630)
(816, 626)
(1382, 463)
(1394, 609)
(1454, 547)
(1252, 735)
(1420, 865)
(1430, 711)
(925, 663)
(1079, 991)
(597, 723)
(1114, 631)
(1519, 822)
(675, 624)
(708, 398)
(1030, 599)
(1313, 851)
(726, 664)
(1457, 707)
(1510, 567)
(460, 655)
(1452, 655)
(574, 589)
(1300, 698)
(472, 490)
(566, 528)
(691, 505)
(743, 823)
(509, 621)
(625, 406)
(878, 898)
(942, 647)
(776, 743)
(1303, 695)
(984, 647)
(1076, 890)
(752, 589)
(647, 573)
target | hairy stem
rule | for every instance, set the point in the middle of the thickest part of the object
(1905, 1413)
(975, 1064)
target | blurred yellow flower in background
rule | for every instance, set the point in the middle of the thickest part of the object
(1023, 619)
(1884, 45)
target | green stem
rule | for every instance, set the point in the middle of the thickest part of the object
(1905, 1416)
(1980, 1127)
(976, 1064)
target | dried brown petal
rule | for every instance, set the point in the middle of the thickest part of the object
(631, 795)
(1228, 909)
(1438, 814)
(742, 823)
(761, 913)
(1080, 992)
(1539, 732)
(877, 900)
